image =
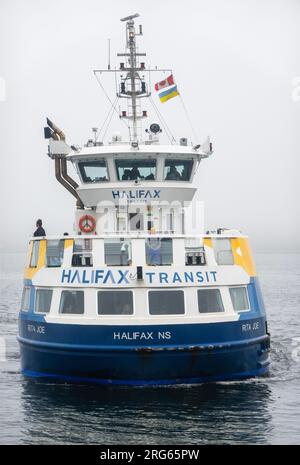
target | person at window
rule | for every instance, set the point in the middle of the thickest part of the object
(150, 177)
(39, 229)
(154, 250)
(173, 174)
(127, 175)
(135, 174)
(124, 253)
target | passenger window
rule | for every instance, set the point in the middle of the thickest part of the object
(239, 298)
(93, 171)
(43, 300)
(117, 252)
(178, 170)
(25, 303)
(128, 170)
(55, 253)
(82, 255)
(223, 251)
(159, 251)
(115, 303)
(72, 302)
(35, 254)
(166, 302)
(210, 301)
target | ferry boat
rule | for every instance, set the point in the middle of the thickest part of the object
(140, 293)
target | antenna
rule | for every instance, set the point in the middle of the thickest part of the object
(95, 130)
(128, 18)
(132, 85)
(108, 67)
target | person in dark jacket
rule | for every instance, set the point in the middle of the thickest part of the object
(39, 229)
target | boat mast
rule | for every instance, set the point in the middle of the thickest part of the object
(132, 85)
(132, 50)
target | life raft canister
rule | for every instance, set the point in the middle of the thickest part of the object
(87, 224)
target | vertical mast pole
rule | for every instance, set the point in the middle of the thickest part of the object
(132, 51)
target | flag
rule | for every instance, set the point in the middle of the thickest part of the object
(169, 93)
(169, 81)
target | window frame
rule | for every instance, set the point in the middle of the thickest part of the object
(217, 251)
(37, 241)
(84, 251)
(36, 298)
(166, 314)
(82, 171)
(71, 314)
(22, 308)
(166, 239)
(247, 298)
(61, 258)
(205, 289)
(137, 160)
(175, 160)
(114, 241)
(115, 314)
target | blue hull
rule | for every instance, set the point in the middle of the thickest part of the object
(198, 353)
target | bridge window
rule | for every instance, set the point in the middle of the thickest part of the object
(43, 300)
(136, 169)
(93, 171)
(210, 301)
(166, 302)
(55, 252)
(82, 255)
(72, 302)
(115, 303)
(178, 170)
(35, 254)
(159, 251)
(239, 298)
(223, 252)
(25, 304)
(117, 252)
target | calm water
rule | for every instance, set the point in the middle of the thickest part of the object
(254, 411)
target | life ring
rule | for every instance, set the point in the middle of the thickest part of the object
(87, 224)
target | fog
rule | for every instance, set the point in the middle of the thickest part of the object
(234, 62)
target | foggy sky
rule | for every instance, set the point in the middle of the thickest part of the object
(233, 61)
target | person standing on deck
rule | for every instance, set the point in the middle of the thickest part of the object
(39, 229)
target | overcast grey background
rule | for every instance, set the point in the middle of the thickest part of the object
(233, 61)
